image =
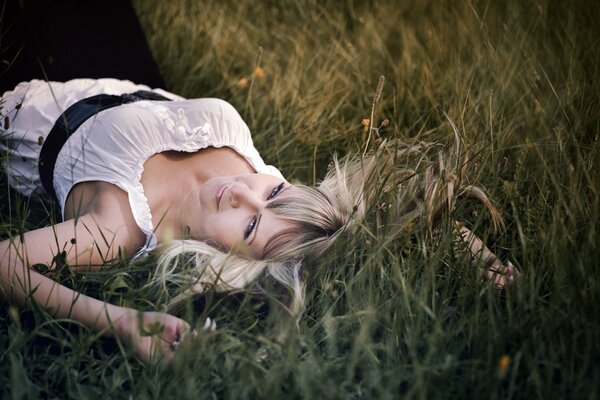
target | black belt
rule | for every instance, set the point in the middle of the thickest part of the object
(71, 119)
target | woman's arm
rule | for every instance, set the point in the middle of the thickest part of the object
(498, 273)
(89, 239)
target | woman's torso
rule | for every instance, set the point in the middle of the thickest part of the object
(163, 187)
(114, 147)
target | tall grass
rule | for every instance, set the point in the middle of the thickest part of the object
(519, 82)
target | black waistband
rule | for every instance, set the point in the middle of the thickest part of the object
(71, 119)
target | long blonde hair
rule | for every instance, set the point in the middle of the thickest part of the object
(423, 181)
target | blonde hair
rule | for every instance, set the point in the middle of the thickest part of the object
(422, 180)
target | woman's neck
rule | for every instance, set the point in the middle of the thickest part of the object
(172, 181)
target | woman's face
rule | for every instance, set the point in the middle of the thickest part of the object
(234, 214)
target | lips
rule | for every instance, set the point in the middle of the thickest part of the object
(219, 193)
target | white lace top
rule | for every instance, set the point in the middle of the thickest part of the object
(113, 145)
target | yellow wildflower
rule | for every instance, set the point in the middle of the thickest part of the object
(504, 362)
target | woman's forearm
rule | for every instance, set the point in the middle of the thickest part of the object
(22, 285)
(97, 237)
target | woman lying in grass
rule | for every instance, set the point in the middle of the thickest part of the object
(133, 170)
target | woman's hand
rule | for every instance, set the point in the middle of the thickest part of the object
(493, 269)
(152, 336)
(498, 273)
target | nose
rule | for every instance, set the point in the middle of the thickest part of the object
(243, 196)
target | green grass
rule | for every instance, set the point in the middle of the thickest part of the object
(520, 81)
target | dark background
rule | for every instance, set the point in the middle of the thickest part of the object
(62, 40)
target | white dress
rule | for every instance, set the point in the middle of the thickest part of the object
(113, 145)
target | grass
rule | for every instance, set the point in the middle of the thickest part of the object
(521, 83)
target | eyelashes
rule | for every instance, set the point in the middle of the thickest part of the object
(276, 191)
(250, 227)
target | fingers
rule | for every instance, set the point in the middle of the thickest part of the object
(210, 325)
(151, 344)
(502, 274)
(184, 331)
(514, 271)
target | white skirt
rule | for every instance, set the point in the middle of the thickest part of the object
(28, 113)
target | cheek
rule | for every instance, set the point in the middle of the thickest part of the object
(225, 231)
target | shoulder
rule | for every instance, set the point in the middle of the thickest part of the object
(217, 120)
(213, 106)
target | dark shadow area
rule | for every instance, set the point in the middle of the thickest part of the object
(61, 40)
(66, 39)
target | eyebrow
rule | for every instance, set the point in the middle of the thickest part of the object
(285, 187)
